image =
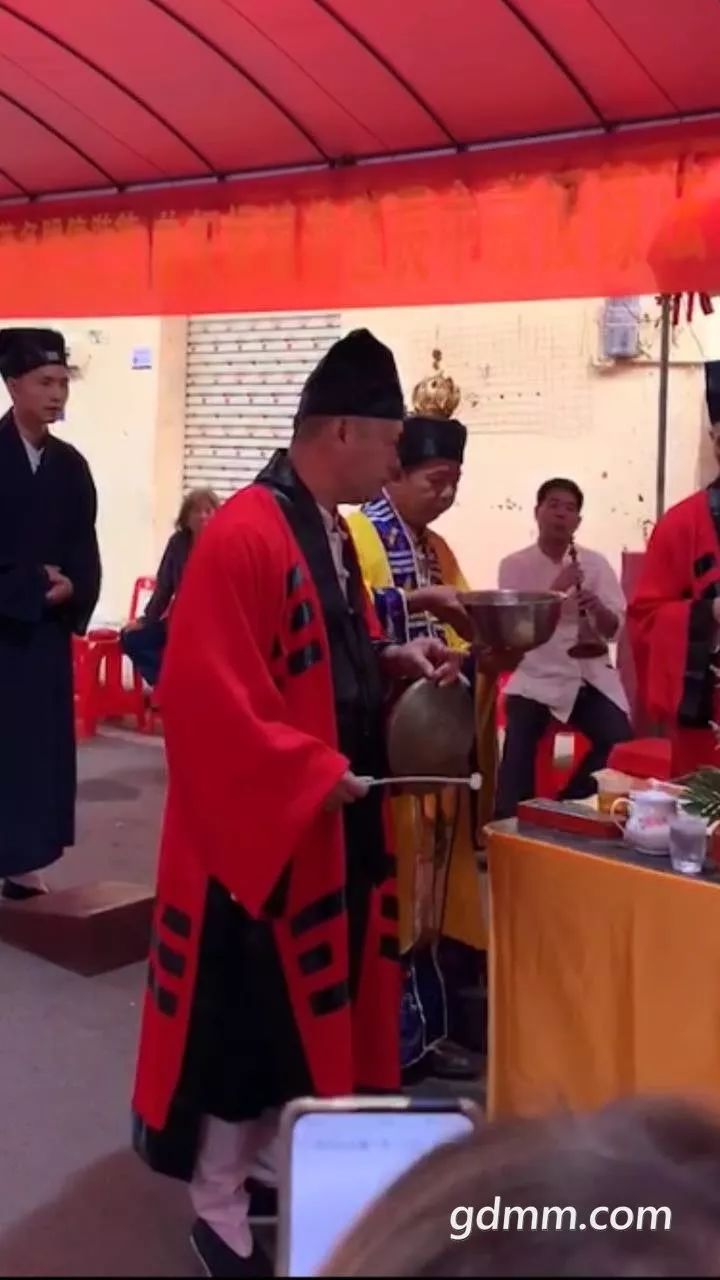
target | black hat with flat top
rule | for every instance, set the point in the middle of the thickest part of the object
(431, 440)
(22, 350)
(356, 378)
(431, 433)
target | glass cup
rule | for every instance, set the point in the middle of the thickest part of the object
(606, 800)
(688, 843)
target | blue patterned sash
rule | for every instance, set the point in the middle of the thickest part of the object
(407, 575)
(423, 1016)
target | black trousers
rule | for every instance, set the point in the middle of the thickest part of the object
(594, 715)
(145, 647)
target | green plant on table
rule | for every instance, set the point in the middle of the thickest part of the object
(702, 793)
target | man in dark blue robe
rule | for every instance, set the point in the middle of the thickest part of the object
(49, 585)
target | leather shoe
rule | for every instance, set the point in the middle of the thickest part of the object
(449, 1062)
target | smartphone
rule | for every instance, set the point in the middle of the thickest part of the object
(337, 1156)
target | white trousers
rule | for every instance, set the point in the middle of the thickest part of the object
(227, 1156)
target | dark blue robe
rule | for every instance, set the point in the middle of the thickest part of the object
(46, 518)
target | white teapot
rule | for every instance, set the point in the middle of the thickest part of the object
(648, 822)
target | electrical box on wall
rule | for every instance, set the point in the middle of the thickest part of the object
(620, 329)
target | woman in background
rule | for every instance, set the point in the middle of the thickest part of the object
(143, 641)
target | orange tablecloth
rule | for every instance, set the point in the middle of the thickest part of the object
(604, 978)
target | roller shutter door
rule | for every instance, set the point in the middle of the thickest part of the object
(244, 375)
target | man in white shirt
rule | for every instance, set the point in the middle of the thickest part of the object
(586, 694)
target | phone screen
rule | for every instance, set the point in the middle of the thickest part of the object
(340, 1161)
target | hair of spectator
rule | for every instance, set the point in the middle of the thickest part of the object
(660, 1154)
(196, 498)
(564, 486)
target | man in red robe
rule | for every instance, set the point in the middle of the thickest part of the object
(273, 969)
(674, 617)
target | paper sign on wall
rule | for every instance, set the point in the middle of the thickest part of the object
(142, 358)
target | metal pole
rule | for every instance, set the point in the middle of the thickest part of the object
(665, 327)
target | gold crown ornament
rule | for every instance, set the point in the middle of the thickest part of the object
(437, 396)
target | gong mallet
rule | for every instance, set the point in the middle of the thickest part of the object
(474, 781)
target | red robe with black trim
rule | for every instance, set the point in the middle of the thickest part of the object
(672, 630)
(251, 735)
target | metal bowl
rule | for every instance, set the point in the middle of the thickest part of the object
(512, 622)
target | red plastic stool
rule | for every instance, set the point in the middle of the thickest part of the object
(83, 685)
(85, 657)
(643, 758)
(550, 779)
(113, 699)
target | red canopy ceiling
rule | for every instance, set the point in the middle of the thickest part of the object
(113, 93)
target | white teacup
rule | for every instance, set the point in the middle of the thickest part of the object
(648, 820)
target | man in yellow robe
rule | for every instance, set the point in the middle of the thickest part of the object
(415, 579)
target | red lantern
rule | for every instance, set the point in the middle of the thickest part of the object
(685, 254)
(676, 302)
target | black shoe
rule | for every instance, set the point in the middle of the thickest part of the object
(263, 1201)
(14, 892)
(417, 1072)
(218, 1259)
(450, 1062)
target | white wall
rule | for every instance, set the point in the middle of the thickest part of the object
(534, 398)
(538, 403)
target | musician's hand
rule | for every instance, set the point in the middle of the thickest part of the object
(425, 657)
(589, 601)
(716, 610)
(568, 579)
(349, 789)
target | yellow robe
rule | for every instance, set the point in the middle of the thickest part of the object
(465, 916)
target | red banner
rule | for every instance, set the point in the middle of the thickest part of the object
(575, 222)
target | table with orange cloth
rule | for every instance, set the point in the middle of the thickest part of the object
(604, 974)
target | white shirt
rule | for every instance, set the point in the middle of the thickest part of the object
(336, 538)
(34, 455)
(548, 674)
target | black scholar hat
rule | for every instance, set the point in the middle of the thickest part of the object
(431, 440)
(356, 378)
(22, 350)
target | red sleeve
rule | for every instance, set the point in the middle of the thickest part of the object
(671, 632)
(249, 784)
